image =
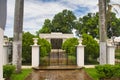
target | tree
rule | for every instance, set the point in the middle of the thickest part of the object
(63, 22)
(110, 19)
(113, 26)
(91, 48)
(88, 24)
(46, 27)
(102, 27)
(17, 42)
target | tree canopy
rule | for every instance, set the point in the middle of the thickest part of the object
(62, 22)
(65, 21)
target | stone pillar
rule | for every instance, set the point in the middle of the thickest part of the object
(80, 55)
(111, 54)
(35, 54)
(1, 54)
(5, 54)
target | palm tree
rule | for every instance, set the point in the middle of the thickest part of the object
(102, 24)
(17, 41)
(3, 9)
(108, 16)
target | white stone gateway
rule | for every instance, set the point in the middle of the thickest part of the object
(55, 35)
(56, 38)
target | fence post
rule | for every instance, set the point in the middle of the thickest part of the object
(111, 54)
(35, 53)
(80, 55)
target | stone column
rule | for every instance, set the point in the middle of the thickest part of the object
(3, 9)
(80, 55)
(35, 54)
(5, 54)
(1, 54)
(111, 54)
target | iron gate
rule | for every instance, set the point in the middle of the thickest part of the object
(58, 57)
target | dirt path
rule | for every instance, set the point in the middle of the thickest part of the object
(58, 75)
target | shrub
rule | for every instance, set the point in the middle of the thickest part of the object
(91, 48)
(8, 71)
(108, 71)
(27, 41)
(45, 47)
(69, 45)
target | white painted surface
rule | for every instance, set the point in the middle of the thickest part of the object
(1, 54)
(103, 51)
(3, 9)
(56, 35)
(16, 53)
(80, 55)
(35, 55)
(5, 54)
(111, 55)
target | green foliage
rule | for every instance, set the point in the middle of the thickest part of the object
(108, 71)
(8, 71)
(27, 40)
(62, 22)
(45, 47)
(65, 21)
(91, 48)
(47, 27)
(88, 24)
(69, 45)
(105, 71)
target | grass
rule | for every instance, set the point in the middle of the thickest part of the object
(22, 75)
(92, 73)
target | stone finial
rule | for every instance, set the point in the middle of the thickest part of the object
(35, 40)
(80, 41)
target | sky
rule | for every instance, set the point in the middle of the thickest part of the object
(36, 11)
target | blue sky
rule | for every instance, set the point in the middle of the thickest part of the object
(36, 11)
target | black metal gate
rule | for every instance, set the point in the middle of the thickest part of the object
(58, 57)
(56, 43)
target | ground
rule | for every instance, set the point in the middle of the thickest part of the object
(59, 74)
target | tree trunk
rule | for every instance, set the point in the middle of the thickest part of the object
(102, 25)
(17, 42)
(3, 9)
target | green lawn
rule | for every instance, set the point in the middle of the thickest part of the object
(92, 72)
(22, 75)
